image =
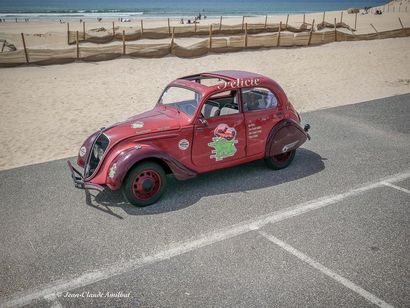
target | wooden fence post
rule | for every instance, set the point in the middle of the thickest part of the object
(266, 21)
(113, 30)
(195, 27)
(335, 31)
(375, 30)
(401, 23)
(210, 36)
(68, 33)
(304, 18)
(83, 30)
(287, 21)
(341, 16)
(77, 45)
(355, 21)
(142, 27)
(278, 41)
(123, 42)
(311, 31)
(243, 21)
(323, 19)
(169, 28)
(220, 23)
(25, 48)
(246, 35)
(172, 39)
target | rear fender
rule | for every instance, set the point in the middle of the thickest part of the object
(285, 136)
(124, 161)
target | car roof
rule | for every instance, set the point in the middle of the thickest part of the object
(232, 74)
(226, 75)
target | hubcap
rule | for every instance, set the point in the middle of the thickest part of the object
(146, 184)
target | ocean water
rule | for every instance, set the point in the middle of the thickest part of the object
(49, 9)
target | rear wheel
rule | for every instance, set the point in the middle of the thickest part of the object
(144, 184)
(280, 161)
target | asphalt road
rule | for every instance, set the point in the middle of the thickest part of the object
(333, 229)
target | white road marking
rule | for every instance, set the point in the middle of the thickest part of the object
(396, 187)
(25, 298)
(347, 283)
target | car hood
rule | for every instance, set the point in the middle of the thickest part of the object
(152, 121)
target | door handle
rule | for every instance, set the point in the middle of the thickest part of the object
(203, 121)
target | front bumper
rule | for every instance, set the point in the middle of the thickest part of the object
(79, 179)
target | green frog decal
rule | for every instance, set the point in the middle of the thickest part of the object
(223, 142)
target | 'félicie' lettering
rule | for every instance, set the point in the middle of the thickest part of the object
(239, 83)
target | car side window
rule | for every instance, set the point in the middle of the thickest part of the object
(221, 104)
(258, 99)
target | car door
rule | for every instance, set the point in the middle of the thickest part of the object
(262, 111)
(219, 133)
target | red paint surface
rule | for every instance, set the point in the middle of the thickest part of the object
(164, 127)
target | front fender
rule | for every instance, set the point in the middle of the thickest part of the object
(285, 136)
(126, 159)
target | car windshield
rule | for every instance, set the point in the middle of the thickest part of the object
(183, 99)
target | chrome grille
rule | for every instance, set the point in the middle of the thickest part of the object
(93, 160)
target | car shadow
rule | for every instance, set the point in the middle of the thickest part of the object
(181, 194)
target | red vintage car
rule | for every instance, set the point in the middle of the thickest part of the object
(200, 123)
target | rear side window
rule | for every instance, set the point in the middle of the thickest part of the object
(258, 99)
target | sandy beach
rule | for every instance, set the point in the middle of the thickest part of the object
(52, 34)
(47, 111)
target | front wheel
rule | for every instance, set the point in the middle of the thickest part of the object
(280, 161)
(144, 184)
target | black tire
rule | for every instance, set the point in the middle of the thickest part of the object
(144, 184)
(280, 161)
